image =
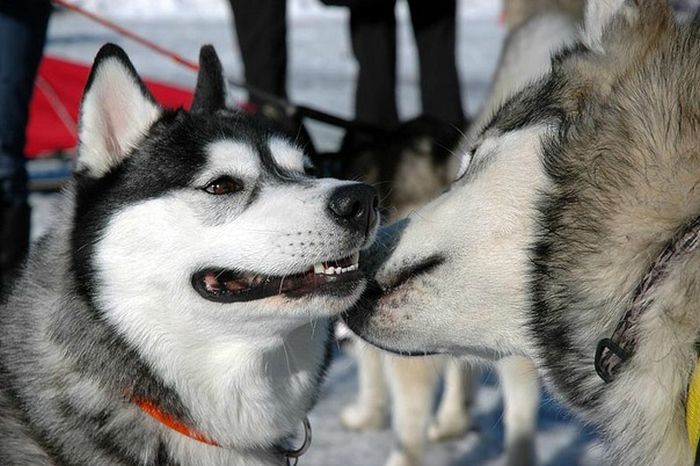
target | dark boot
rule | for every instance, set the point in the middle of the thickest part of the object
(14, 241)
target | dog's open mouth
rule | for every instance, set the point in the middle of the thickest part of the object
(229, 286)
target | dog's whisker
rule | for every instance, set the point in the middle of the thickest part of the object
(286, 357)
(313, 327)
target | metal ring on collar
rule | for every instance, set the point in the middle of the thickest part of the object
(295, 454)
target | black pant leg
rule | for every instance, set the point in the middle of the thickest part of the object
(261, 28)
(373, 34)
(22, 36)
(434, 26)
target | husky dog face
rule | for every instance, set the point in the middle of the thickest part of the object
(464, 230)
(566, 197)
(214, 212)
(200, 237)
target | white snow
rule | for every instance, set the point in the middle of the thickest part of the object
(321, 74)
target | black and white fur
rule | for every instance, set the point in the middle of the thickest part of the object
(114, 303)
(566, 197)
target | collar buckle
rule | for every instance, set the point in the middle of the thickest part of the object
(605, 365)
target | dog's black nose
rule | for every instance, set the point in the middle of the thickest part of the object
(354, 206)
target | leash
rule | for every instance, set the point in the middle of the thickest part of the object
(170, 421)
(612, 353)
(57, 106)
(289, 109)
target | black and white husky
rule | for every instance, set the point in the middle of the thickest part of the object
(571, 236)
(177, 313)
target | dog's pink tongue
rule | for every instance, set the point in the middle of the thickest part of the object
(211, 282)
(214, 282)
(236, 285)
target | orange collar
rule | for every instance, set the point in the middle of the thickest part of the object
(167, 420)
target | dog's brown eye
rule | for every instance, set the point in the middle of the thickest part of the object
(223, 185)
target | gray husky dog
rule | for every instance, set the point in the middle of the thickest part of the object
(570, 236)
(177, 312)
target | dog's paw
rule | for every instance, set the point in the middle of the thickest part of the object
(449, 427)
(356, 417)
(400, 458)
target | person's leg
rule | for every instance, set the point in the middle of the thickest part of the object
(434, 25)
(373, 34)
(22, 36)
(261, 28)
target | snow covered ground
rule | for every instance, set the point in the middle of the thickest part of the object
(321, 74)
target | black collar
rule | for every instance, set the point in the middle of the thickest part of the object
(612, 352)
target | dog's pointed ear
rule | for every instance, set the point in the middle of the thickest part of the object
(599, 14)
(604, 19)
(210, 93)
(116, 112)
(616, 33)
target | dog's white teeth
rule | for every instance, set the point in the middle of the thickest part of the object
(321, 268)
